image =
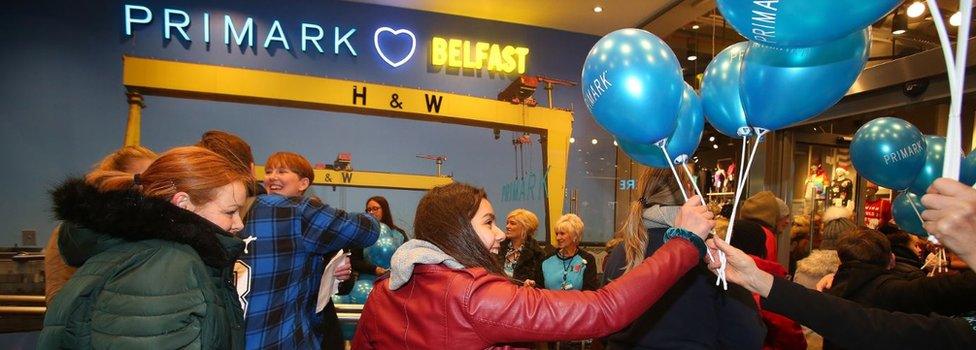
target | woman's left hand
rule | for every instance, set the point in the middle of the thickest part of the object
(344, 270)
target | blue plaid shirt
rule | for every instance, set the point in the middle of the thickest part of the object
(278, 276)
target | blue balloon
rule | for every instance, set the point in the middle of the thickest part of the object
(932, 169)
(967, 172)
(801, 23)
(889, 152)
(381, 252)
(682, 143)
(783, 86)
(720, 92)
(362, 288)
(632, 85)
(341, 299)
(905, 216)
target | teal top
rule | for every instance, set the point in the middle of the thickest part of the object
(564, 273)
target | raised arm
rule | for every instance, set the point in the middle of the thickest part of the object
(503, 312)
(326, 229)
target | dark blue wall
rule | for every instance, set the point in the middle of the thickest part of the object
(62, 104)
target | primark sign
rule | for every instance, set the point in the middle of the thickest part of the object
(395, 46)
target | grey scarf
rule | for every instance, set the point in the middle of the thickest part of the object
(416, 251)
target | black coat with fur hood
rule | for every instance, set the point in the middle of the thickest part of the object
(151, 275)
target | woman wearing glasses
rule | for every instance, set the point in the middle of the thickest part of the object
(379, 208)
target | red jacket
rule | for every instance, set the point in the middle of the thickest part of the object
(440, 308)
(781, 333)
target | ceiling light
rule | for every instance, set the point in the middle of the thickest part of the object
(594, 141)
(572, 140)
(711, 139)
(714, 146)
(916, 9)
(597, 9)
(692, 55)
(956, 19)
(695, 26)
(615, 143)
(899, 24)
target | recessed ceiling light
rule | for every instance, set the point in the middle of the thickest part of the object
(916, 9)
(597, 9)
(572, 140)
(692, 57)
(615, 143)
(711, 139)
(956, 19)
(594, 141)
(714, 146)
(695, 26)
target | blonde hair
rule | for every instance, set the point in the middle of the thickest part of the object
(194, 170)
(572, 224)
(123, 159)
(526, 218)
(652, 181)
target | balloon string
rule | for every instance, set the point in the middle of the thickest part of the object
(741, 168)
(673, 171)
(944, 41)
(742, 157)
(678, 179)
(740, 187)
(955, 70)
(910, 201)
(700, 197)
(953, 142)
(760, 132)
(693, 183)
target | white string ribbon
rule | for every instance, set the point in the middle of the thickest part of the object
(956, 73)
(677, 178)
(740, 187)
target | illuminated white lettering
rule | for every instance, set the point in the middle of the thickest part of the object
(314, 39)
(344, 40)
(276, 34)
(180, 27)
(246, 31)
(129, 20)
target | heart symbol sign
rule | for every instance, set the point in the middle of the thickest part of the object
(397, 32)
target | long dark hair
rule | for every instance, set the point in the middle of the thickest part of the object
(444, 219)
(387, 218)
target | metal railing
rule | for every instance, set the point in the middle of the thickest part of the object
(346, 312)
(6, 309)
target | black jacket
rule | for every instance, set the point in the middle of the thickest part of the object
(907, 264)
(529, 264)
(693, 314)
(874, 286)
(854, 326)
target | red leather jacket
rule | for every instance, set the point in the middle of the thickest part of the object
(440, 308)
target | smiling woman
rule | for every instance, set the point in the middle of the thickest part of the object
(449, 270)
(172, 229)
(288, 174)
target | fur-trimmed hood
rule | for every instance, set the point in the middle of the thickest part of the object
(95, 221)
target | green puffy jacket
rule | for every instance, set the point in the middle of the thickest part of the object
(151, 275)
